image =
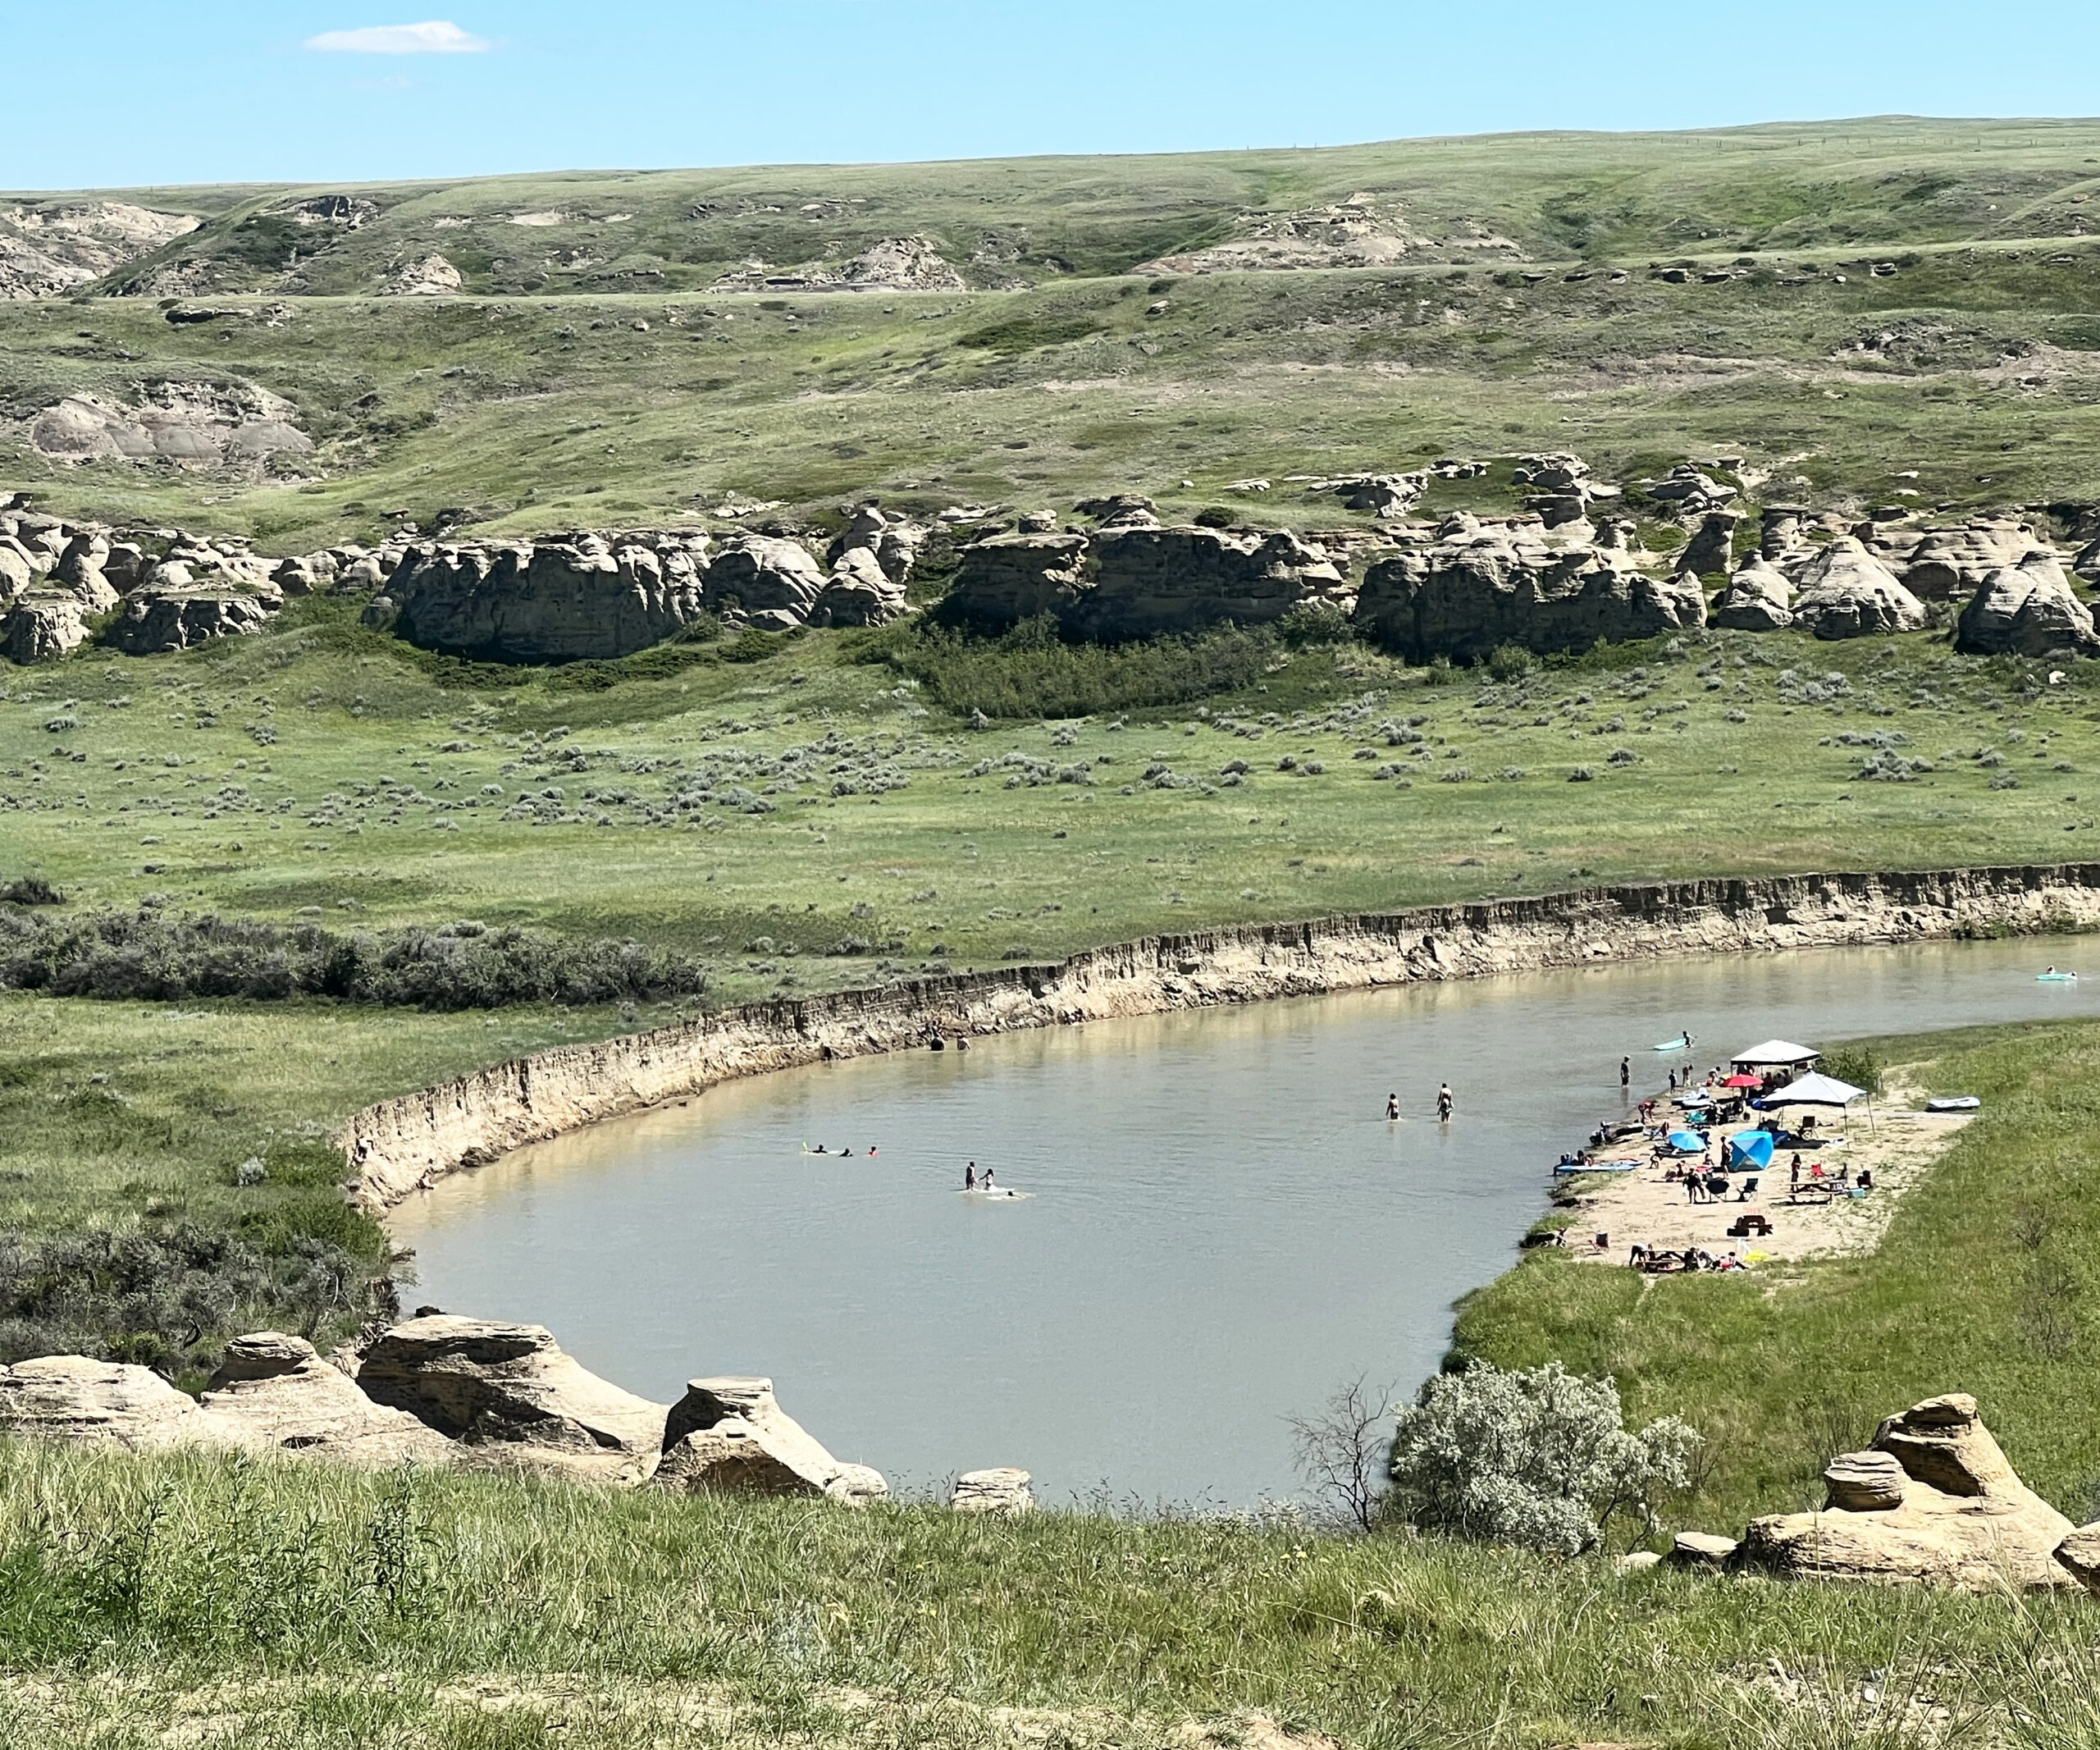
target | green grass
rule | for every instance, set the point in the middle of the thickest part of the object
(269, 1605)
(587, 378)
(1984, 1284)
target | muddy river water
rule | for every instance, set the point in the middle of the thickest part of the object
(1221, 1225)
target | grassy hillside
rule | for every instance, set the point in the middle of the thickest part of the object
(150, 1600)
(1983, 1285)
(537, 399)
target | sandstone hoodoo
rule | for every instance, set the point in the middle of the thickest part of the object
(2028, 610)
(1845, 592)
(71, 1398)
(1933, 1502)
(1149, 580)
(730, 1436)
(1479, 586)
(509, 1391)
(1755, 600)
(1008, 578)
(550, 601)
(156, 621)
(273, 1393)
(1948, 565)
(764, 581)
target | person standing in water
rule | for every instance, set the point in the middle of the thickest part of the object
(1444, 1103)
(1393, 1106)
(1625, 1074)
(984, 1184)
(970, 1177)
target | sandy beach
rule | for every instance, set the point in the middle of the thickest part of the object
(1896, 1143)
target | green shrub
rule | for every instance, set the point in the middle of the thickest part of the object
(1540, 1458)
(1033, 672)
(1855, 1064)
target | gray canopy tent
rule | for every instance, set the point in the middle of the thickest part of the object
(1815, 1090)
(1774, 1054)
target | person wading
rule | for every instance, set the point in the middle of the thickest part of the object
(1444, 1103)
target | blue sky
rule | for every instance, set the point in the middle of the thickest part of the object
(137, 92)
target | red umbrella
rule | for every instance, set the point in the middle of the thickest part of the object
(1743, 1081)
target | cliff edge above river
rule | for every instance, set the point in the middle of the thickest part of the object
(400, 1145)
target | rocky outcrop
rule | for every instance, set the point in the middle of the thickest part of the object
(44, 624)
(1755, 601)
(1780, 535)
(156, 620)
(1003, 1492)
(1712, 546)
(891, 541)
(858, 593)
(1480, 585)
(888, 264)
(1949, 564)
(192, 425)
(48, 250)
(730, 1436)
(1933, 1502)
(1008, 578)
(764, 581)
(2027, 610)
(555, 601)
(1847, 593)
(432, 277)
(1151, 580)
(71, 1398)
(509, 1392)
(274, 1393)
(399, 1144)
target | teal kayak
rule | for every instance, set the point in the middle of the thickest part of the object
(2055, 978)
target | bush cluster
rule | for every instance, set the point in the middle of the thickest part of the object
(1033, 672)
(168, 1299)
(148, 956)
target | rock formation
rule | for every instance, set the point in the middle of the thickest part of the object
(1755, 599)
(1933, 1502)
(870, 564)
(1149, 579)
(193, 425)
(70, 1397)
(1480, 585)
(1003, 1491)
(763, 581)
(41, 625)
(2029, 609)
(1948, 565)
(888, 264)
(274, 1393)
(1779, 535)
(555, 601)
(1847, 593)
(510, 1392)
(433, 277)
(46, 250)
(1712, 546)
(156, 620)
(1008, 578)
(729, 1436)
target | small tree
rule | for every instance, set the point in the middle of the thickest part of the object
(1540, 1457)
(1338, 1452)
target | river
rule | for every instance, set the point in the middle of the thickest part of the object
(1221, 1228)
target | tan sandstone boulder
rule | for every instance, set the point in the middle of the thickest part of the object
(2029, 610)
(1933, 1502)
(1003, 1492)
(274, 1393)
(71, 1398)
(1848, 593)
(1755, 599)
(729, 1436)
(509, 1391)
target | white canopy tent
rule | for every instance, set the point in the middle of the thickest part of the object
(1774, 1054)
(1815, 1090)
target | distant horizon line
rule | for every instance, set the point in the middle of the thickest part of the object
(585, 173)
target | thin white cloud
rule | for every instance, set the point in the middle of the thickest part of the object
(439, 36)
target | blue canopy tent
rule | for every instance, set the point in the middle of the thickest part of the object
(1750, 1151)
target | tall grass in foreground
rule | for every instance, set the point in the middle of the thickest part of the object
(301, 1606)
